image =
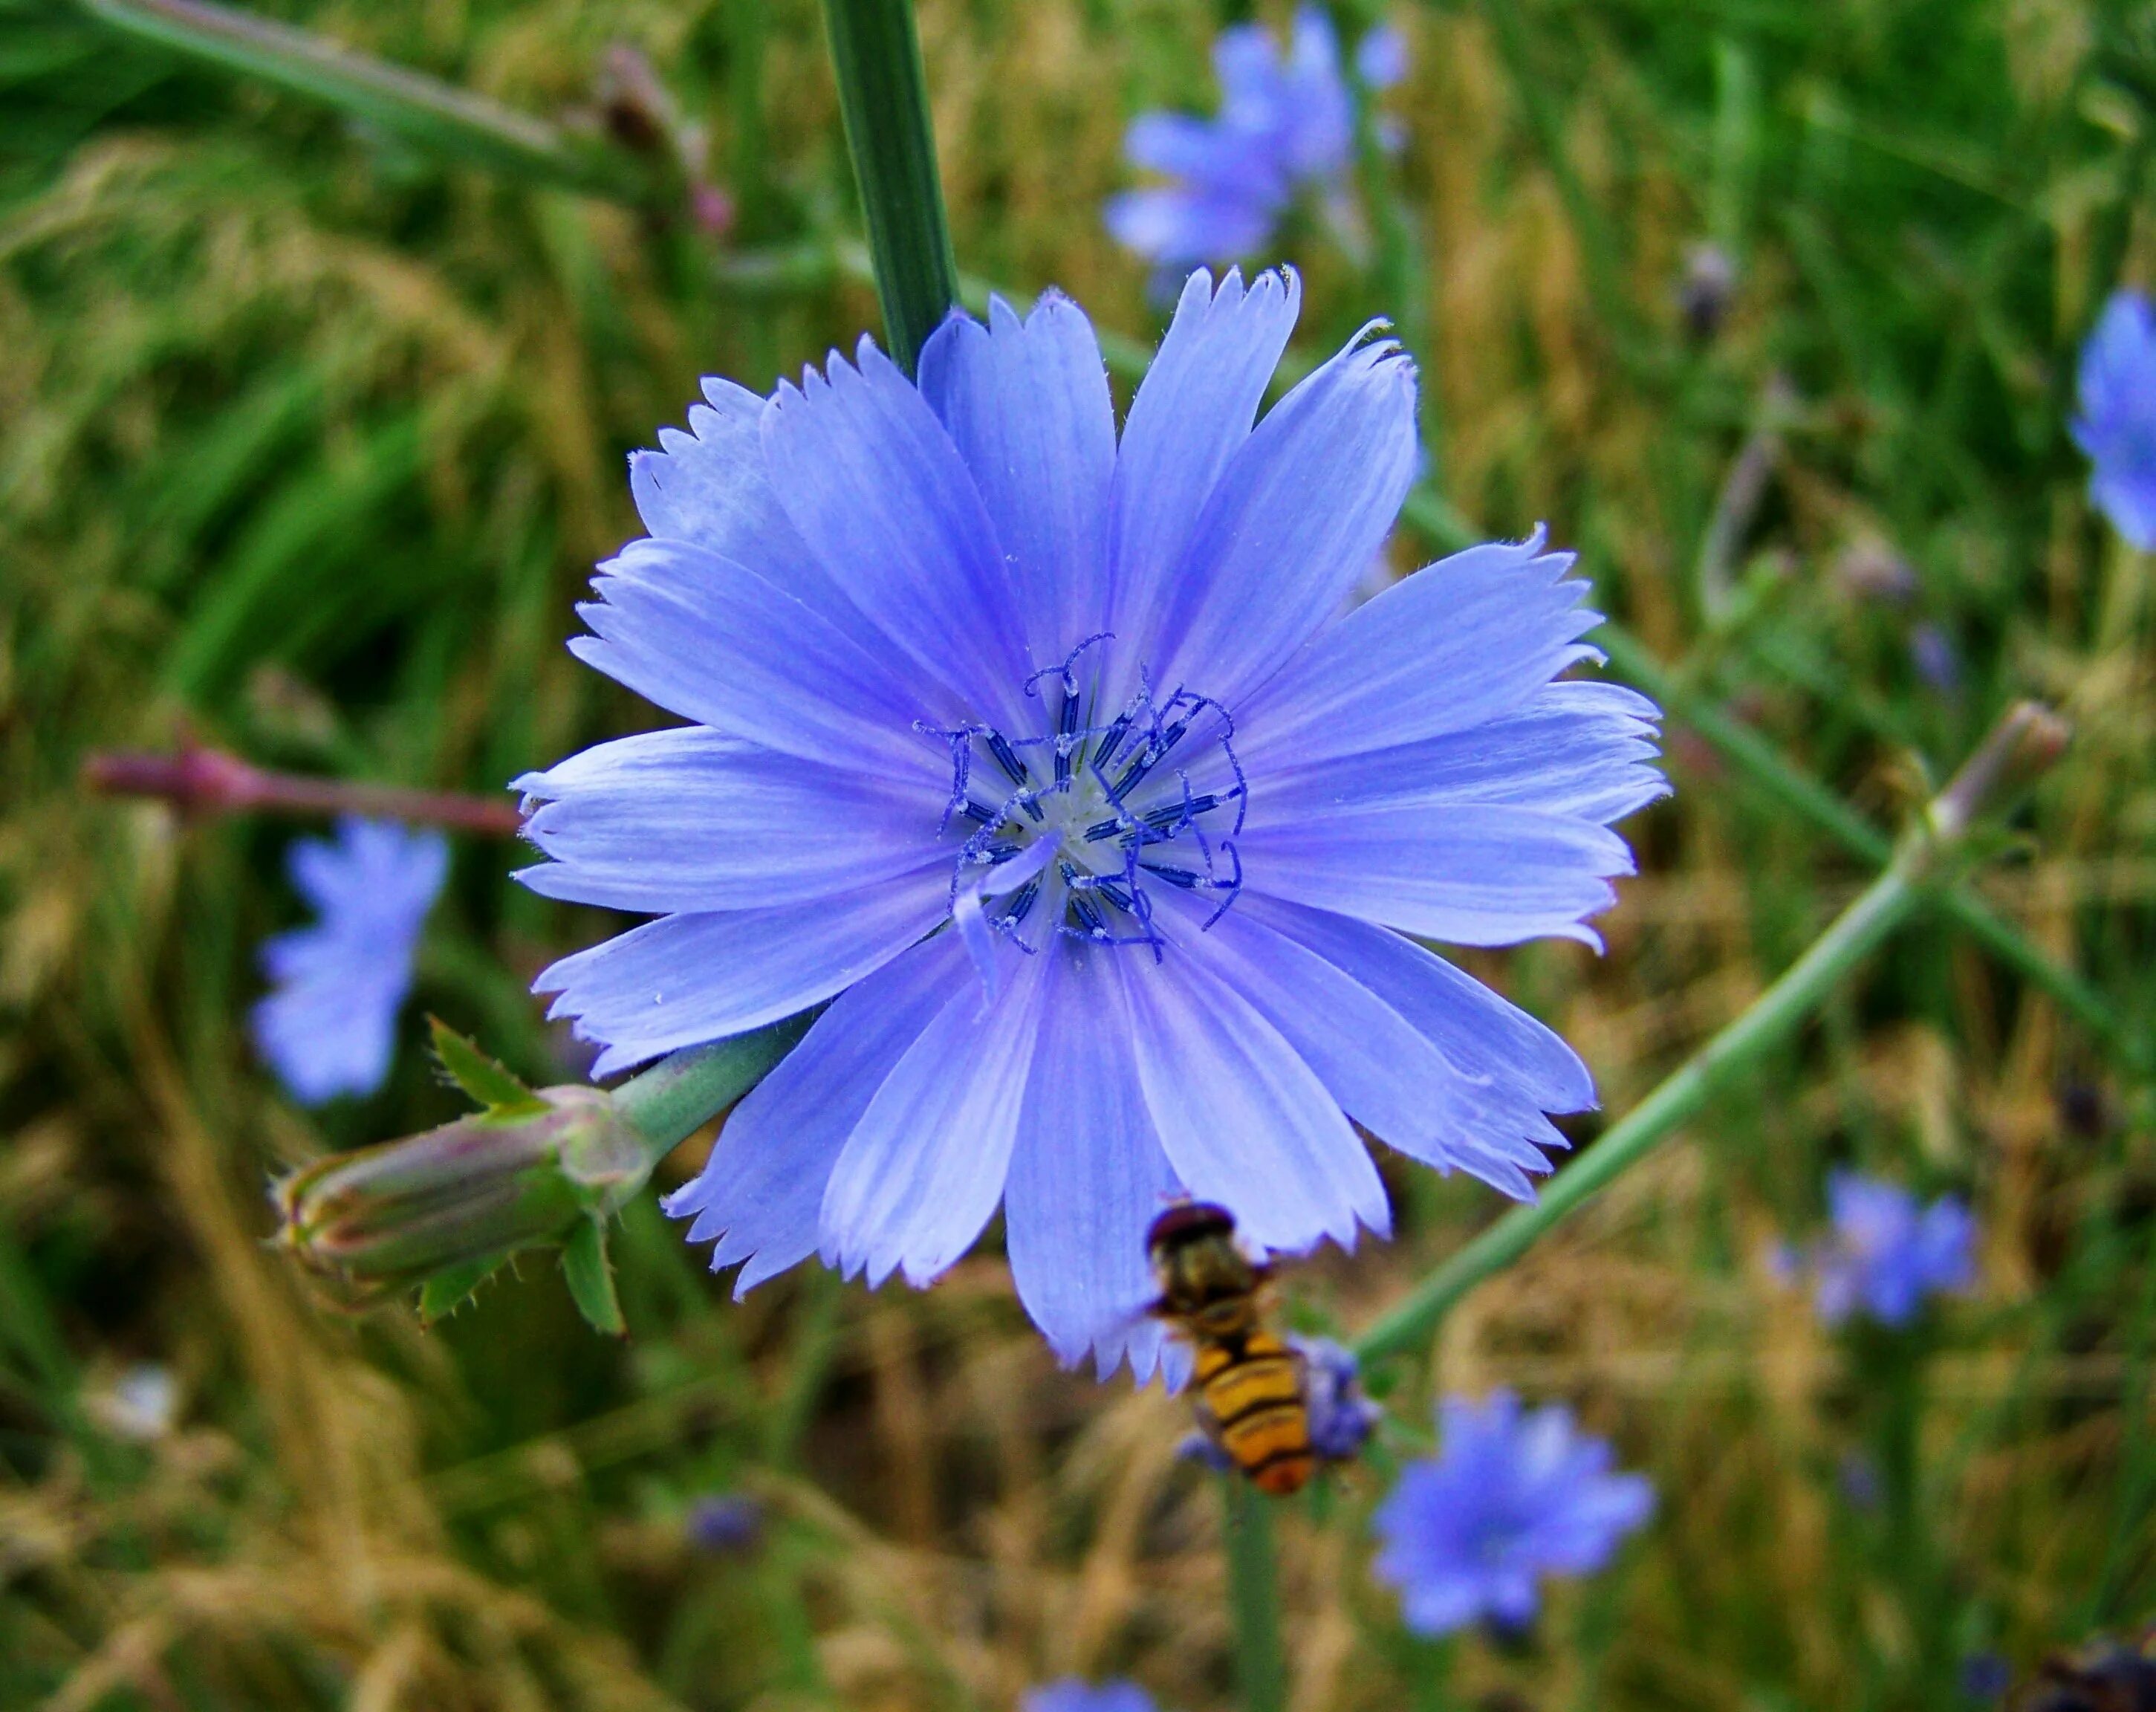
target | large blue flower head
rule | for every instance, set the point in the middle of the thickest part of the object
(1286, 127)
(1888, 1253)
(329, 1025)
(2117, 427)
(1051, 755)
(1512, 1495)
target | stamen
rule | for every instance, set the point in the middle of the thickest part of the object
(1103, 900)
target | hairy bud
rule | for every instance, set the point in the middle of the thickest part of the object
(453, 1202)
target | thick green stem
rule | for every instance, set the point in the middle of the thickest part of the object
(1254, 1597)
(422, 111)
(2026, 736)
(677, 1096)
(883, 97)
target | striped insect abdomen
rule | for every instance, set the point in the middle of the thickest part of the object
(1254, 1394)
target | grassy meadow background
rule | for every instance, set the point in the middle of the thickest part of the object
(309, 440)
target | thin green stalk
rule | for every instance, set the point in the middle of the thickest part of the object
(2026, 734)
(1763, 767)
(883, 98)
(815, 1345)
(1254, 1597)
(1776, 1015)
(421, 109)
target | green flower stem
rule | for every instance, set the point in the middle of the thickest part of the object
(2027, 735)
(1254, 1597)
(678, 1095)
(883, 97)
(421, 109)
(1763, 766)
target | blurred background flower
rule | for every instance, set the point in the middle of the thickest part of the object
(1513, 1495)
(1888, 1252)
(2117, 426)
(329, 1025)
(1286, 130)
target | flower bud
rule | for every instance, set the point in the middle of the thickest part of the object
(379, 1219)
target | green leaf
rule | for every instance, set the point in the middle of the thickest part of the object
(499, 1090)
(445, 1293)
(590, 1274)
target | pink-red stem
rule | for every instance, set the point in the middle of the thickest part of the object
(200, 781)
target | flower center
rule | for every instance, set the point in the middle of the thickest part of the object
(1073, 824)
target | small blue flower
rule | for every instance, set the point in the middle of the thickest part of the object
(1072, 1695)
(328, 1027)
(1286, 127)
(1887, 1253)
(725, 1523)
(1341, 1417)
(2117, 427)
(1937, 661)
(1511, 1496)
(1049, 756)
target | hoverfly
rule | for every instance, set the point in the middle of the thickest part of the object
(1253, 1397)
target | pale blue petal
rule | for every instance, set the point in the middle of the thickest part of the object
(687, 979)
(1315, 126)
(1026, 405)
(1460, 643)
(924, 1169)
(876, 488)
(709, 486)
(760, 1194)
(1472, 874)
(714, 642)
(1087, 1178)
(1245, 1122)
(1193, 410)
(1523, 1069)
(1381, 56)
(1576, 750)
(1388, 1076)
(1180, 226)
(686, 819)
(1185, 147)
(1299, 512)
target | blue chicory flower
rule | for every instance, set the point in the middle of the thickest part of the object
(1511, 1496)
(1073, 1695)
(1887, 1253)
(328, 1026)
(1341, 1417)
(2117, 427)
(1286, 127)
(1053, 758)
